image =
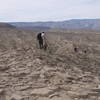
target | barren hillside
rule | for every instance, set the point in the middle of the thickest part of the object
(60, 73)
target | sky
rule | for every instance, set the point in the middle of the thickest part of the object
(48, 10)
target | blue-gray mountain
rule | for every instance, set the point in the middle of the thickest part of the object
(93, 24)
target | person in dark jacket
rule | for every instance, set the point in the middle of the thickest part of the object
(40, 37)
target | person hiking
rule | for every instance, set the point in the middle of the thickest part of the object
(40, 38)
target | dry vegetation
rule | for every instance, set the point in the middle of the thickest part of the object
(60, 73)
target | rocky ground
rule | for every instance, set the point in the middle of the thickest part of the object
(60, 73)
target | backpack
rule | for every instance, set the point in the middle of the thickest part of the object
(39, 37)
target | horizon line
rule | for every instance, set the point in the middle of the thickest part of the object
(49, 20)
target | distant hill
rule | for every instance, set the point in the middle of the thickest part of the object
(93, 24)
(35, 28)
(31, 26)
(6, 25)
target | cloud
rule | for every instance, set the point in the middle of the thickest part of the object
(44, 10)
(90, 1)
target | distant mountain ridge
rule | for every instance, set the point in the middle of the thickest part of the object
(93, 24)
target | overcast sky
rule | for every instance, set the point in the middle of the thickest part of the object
(48, 10)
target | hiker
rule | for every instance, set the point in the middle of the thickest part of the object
(40, 38)
(45, 44)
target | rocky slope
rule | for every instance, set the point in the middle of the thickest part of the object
(60, 73)
(6, 25)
